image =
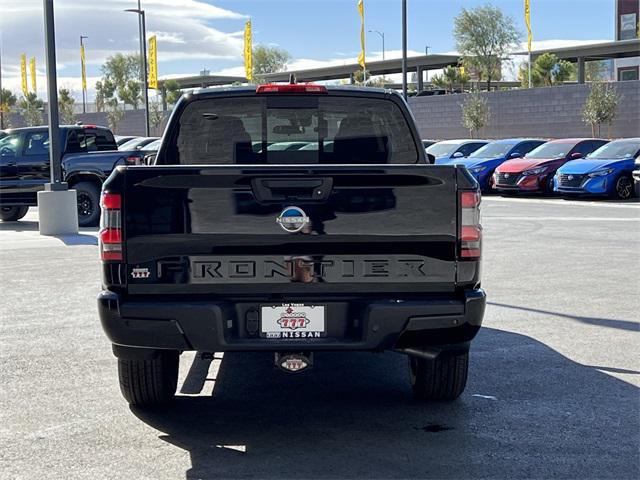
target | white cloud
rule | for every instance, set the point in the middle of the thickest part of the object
(182, 26)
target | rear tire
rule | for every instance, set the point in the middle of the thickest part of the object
(149, 382)
(88, 203)
(12, 214)
(441, 379)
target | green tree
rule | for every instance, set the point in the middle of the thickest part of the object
(122, 72)
(595, 71)
(269, 60)
(378, 82)
(475, 113)
(601, 106)
(484, 37)
(156, 114)
(66, 105)
(170, 89)
(463, 78)
(7, 102)
(115, 114)
(131, 93)
(31, 107)
(105, 89)
(547, 70)
(439, 81)
(450, 75)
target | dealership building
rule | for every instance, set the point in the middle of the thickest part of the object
(626, 28)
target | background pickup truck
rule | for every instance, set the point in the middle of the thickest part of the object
(344, 239)
(89, 156)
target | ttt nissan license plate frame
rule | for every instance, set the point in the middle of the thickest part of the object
(293, 320)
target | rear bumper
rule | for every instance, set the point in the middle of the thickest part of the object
(351, 324)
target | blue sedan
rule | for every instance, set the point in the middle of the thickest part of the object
(486, 159)
(448, 151)
(606, 171)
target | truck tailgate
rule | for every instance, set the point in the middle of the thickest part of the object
(224, 229)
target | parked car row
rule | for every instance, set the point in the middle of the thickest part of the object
(569, 166)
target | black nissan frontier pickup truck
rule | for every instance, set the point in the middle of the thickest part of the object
(290, 218)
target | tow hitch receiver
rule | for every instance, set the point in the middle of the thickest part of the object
(293, 362)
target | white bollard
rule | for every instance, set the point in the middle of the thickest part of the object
(57, 212)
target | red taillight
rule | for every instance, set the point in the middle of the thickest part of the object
(291, 88)
(470, 232)
(110, 236)
(469, 199)
(133, 160)
(111, 201)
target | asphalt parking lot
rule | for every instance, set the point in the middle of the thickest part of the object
(553, 389)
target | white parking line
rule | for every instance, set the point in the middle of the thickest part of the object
(551, 201)
(563, 219)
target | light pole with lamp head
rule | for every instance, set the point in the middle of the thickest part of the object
(143, 60)
(381, 36)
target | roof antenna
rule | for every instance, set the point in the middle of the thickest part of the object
(292, 78)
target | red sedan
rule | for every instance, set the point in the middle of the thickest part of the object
(534, 172)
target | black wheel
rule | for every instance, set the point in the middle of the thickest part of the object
(443, 378)
(88, 203)
(12, 214)
(549, 185)
(487, 188)
(623, 189)
(149, 382)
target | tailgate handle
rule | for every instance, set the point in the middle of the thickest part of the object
(292, 189)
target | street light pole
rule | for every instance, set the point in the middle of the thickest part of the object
(83, 74)
(57, 205)
(404, 49)
(52, 97)
(142, 29)
(381, 36)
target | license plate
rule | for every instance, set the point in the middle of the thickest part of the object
(292, 320)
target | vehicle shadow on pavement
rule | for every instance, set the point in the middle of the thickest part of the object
(527, 412)
(77, 239)
(601, 322)
(21, 226)
(80, 238)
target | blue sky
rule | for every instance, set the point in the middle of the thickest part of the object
(197, 34)
(323, 29)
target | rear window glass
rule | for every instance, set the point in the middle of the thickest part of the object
(100, 140)
(293, 130)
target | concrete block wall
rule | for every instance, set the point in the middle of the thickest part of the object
(131, 124)
(549, 112)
